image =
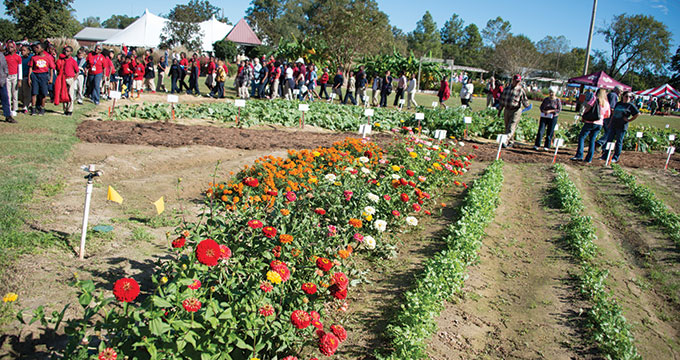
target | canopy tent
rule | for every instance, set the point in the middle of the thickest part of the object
(599, 79)
(213, 31)
(661, 91)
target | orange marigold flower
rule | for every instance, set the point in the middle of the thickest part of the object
(356, 223)
(295, 252)
(343, 254)
(285, 212)
(285, 238)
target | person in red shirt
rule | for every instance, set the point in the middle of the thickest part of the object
(184, 66)
(65, 85)
(95, 73)
(39, 77)
(108, 71)
(126, 71)
(211, 74)
(138, 83)
(14, 76)
(323, 80)
(195, 74)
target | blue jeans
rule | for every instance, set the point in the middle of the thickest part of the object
(4, 98)
(95, 81)
(605, 134)
(588, 129)
(616, 134)
(550, 125)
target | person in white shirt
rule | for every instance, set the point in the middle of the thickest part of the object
(411, 92)
(466, 93)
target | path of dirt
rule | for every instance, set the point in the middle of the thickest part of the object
(643, 264)
(519, 301)
(174, 135)
(665, 185)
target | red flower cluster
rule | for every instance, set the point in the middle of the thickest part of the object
(396, 213)
(208, 252)
(337, 292)
(300, 319)
(191, 304)
(317, 324)
(315, 315)
(348, 195)
(339, 331)
(290, 196)
(368, 154)
(328, 344)
(179, 242)
(320, 211)
(410, 172)
(309, 288)
(266, 286)
(195, 285)
(269, 231)
(255, 224)
(107, 354)
(251, 181)
(324, 264)
(281, 268)
(267, 310)
(126, 289)
(340, 280)
(415, 207)
(272, 193)
(403, 197)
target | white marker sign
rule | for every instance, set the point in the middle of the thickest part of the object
(402, 101)
(671, 137)
(240, 103)
(369, 112)
(173, 98)
(500, 139)
(303, 107)
(467, 119)
(670, 151)
(638, 134)
(420, 116)
(364, 129)
(440, 134)
(296, 91)
(365, 98)
(114, 94)
(557, 127)
(668, 126)
(434, 104)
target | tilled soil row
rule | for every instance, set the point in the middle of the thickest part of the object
(176, 135)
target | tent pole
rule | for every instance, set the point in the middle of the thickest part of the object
(590, 38)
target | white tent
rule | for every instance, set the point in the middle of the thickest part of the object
(212, 31)
(146, 32)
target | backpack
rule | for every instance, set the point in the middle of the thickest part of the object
(149, 71)
(593, 114)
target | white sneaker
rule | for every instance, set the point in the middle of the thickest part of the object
(80, 102)
(14, 113)
(546, 149)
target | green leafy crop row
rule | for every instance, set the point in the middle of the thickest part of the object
(445, 272)
(606, 322)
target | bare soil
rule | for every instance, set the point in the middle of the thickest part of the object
(519, 301)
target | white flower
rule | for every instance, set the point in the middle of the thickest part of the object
(461, 143)
(369, 241)
(428, 143)
(370, 210)
(373, 197)
(436, 147)
(380, 225)
(349, 169)
(330, 177)
(396, 176)
(365, 171)
(364, 159)
(463, 170)
(447, 151)
(411, 221)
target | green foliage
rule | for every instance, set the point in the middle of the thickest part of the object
(496, 30)
(40, 19)
(515, 55)
(8, 30)
(425, 40)
(183, 28)
(605, 321)
(648, 202)
(92, 21)
(431, 73)
(225, 49)
(119, 21)
(444, 273)
(311, 50)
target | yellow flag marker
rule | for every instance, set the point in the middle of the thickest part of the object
(113, 195)
(160, 205)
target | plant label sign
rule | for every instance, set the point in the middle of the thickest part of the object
(500, 139)
(440, 134)
(420, 116)
(303, 107)
(559, 142)
(332, 96)
(114, 94)
(364, 129)
(173, 99)
(609, 146)
(638, 134)
(365, 98)
(296, 91)
(671, 150)
(434, 104)
(668, 126)
(671, 137)
(240, 103)
(402, 101)
(369, 112)
(557, 127)
(467, 119)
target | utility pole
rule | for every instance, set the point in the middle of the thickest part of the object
(590, 38)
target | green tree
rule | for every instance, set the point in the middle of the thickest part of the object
(452, 37)
(183, 28)
(400, 40)
(515, 55)
(274, 20)
(572, 62)
(425, 40)
(472, 47)
(225, 49)
(675, 67)
(92, 21)
(8, 30)
(637, 42)
(40, 19)
(496, 30)
(553, 48)
(119, 21)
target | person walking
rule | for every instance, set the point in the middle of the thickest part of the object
(13, 78)
(466, 92)
(653, 105)
(82, 75)
(162, 71)
(361, 85)
(351, 87)
(444, 92)
(592, 127)
(255, 82)
(184, 66)
(24, 85)
(375, 96)
(323, 81)
(220, 78)
(4, 99)
(401, 86)
(149, 74)
(411, 92)
(512, 99)
(64, 86)
(39, 78)
(622, 114)
(95, 72)
(338, 81)
(175, 73)
(386, 88)
(612, 98)
(488, 90)
(550, 109)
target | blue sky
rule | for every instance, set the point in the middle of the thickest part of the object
(533, 18)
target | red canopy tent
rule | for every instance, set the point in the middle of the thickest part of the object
(600, 80)
(661, 91)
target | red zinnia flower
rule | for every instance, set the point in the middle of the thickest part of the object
(225, 252)
(347, 194)
(396, 213)
(179, 242)
(403, 181)
(317, 324)
(368, 154)
(208, 252)
(309, 288)
(339, 331)
(328, 344)
(338, 293)
(126, 289)
(266, 286)
(290, 196)
(281, 268)
(320, 211)
(276, 251)
(404, 197)
(340, 280)
(416, 207)
(300, 319)
(427, 212)
(267, 310)
(272, 193)
(291, 357)
(269, 231)
(324, 264)
(191, 304)
(315, 315)
(195, 285)
(108, 354)
(255, 224)
(411, 183)
(410, 172)
(387, 197)
(251, 181)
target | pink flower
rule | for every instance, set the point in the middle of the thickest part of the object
(347, 194)
(290, 196)
(387, 197)
(358, 237)
(332, 230)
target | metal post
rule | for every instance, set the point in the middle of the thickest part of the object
(88, 196)
(590, 38)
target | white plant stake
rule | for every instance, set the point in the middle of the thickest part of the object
(609, 147)
(434, 104)
(115, 95)
(558, 143)
(500, 139)
(440, 134)
(401, 104)
(638, 136)
(331, 98)
(671, 137)
(369, 113)
(172, 99)
(670, 151)
(239, 103)
(91, 174)
(364, 129)
(303, 108)
(467, 120)
(365, 98)
(420, 117)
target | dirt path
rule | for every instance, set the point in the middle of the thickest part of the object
(520, 302)
(643, 264)
(665, 185)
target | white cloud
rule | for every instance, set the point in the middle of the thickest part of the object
(662, 8)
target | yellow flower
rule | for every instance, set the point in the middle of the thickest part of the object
(337, 183)
(316, 153)
(313, 180)
(164, 279)
(421, 145)
(369, 217)
(377, 124)
(184, 266)
(10, 297)
(395, 168)
(274, 277)
(255, 359)
(413, 155)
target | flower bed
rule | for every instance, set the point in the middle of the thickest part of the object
(444, 274)
(606, 322)
(650, 204)
(270, 257)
